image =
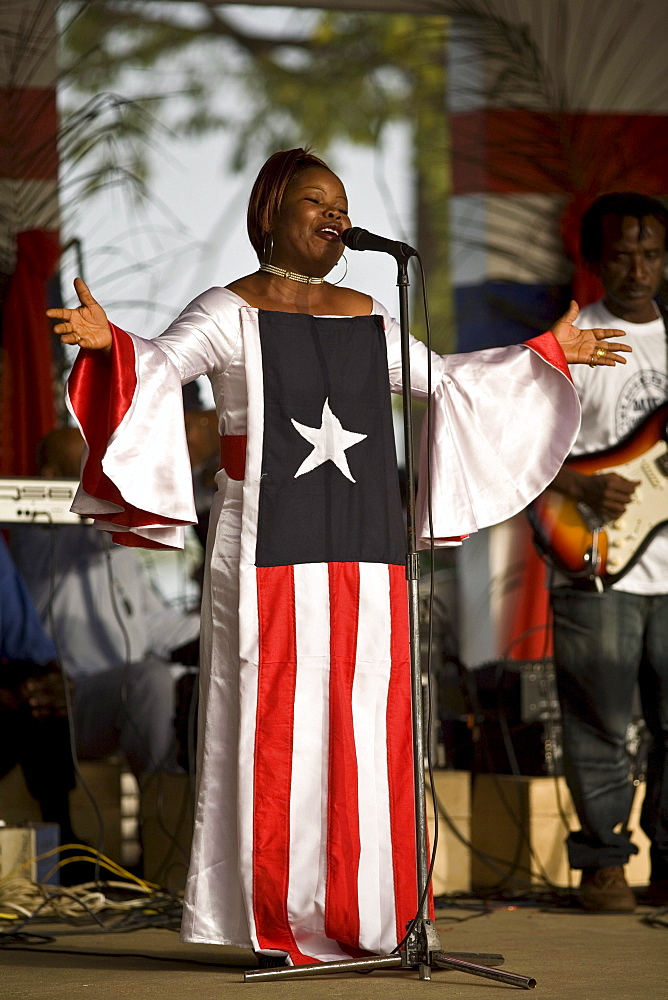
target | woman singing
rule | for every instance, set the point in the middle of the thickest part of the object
(304, 842)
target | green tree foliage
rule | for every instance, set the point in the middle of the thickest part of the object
(329, 77)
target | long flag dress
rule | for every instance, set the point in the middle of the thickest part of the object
(304, 841)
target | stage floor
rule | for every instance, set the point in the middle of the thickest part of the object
(573, 956)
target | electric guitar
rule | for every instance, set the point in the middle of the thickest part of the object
(577, 540)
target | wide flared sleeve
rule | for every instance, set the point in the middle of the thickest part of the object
(136, 479)
(503, 421)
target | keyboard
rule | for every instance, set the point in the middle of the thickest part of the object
(32, 500)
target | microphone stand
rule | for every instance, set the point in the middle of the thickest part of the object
(421, 950)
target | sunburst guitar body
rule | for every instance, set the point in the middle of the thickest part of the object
(576, 540)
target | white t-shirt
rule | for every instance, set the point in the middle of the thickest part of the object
(614, 401)
(105, 613)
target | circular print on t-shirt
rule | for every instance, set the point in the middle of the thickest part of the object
(641, 395)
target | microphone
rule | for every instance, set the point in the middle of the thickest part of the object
(361, 239)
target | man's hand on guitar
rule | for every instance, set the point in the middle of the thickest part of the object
(607, 493)
(588, 347)
(619, 492)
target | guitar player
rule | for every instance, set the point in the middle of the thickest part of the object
(608, 641)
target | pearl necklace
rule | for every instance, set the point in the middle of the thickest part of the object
(293, 275)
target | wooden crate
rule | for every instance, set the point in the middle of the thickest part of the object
(166, 818)
(523, 822)
(103, 778)
(452, 870)
(16, 803)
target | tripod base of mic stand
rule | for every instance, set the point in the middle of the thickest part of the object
(412, 958)
(462, 961)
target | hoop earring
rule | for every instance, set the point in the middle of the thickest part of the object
(267, 254)
(345, 261)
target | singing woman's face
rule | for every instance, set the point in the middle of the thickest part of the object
(307, 228)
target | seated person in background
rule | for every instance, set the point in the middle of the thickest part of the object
(116, 639)
(204, 451)
(34, 730)
(175, 574)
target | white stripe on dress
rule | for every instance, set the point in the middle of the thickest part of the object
(370, 687)
(308, 800)
(248, 610)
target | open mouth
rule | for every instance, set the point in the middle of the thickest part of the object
(330, 233)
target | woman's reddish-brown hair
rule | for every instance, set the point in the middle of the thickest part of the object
(269, 188)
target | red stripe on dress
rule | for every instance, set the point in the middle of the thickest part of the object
(342, 920)
(272, 774)
(549, 349)
(233, 455)
(352, 951)
(101, 388)
(400, 756)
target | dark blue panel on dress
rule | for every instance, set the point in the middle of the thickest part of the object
(321, 515)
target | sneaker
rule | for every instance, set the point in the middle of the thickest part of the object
(606, 890)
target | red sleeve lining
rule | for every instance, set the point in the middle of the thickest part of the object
(548, 347)
(101, 389)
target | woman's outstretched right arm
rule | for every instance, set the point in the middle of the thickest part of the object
(87, 325)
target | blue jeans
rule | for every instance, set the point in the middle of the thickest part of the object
(605, 644)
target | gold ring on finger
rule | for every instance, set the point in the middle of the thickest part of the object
(592, 360)
(601, 352)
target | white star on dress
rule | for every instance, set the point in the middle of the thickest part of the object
(330, 442)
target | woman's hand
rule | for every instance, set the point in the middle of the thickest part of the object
(86, 326)
(588, 347)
